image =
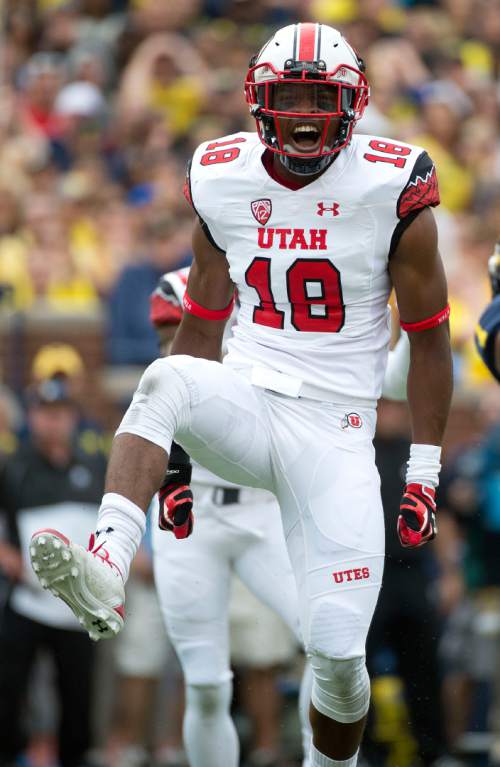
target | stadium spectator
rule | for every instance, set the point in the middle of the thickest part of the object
(165, 76)
(60, 361)
(46, 480)
(132, 339)
(444, 109)
(469, 509)
(42, 78)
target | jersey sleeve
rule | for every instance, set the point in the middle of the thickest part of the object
(188, 194)
(486, 330)
(421, 189)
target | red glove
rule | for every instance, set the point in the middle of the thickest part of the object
(417, 520)
(176, 501)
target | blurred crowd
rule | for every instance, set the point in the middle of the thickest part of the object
(102, 104)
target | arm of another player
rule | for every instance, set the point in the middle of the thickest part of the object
(207, 303)
(487, 335)
(418, 276)
(396, 372)
(497, 353)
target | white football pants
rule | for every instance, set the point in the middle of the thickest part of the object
(316, 457)
(193, 577)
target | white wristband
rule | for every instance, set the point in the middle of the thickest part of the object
(424, 465)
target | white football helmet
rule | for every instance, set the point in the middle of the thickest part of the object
(306, 90)
(165, 306)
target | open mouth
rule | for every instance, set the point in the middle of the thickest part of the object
(306, 137)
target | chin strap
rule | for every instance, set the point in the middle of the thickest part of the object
(306, 167)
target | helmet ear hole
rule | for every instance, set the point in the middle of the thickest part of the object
(361, 63)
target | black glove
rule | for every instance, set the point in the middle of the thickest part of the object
(175, 496)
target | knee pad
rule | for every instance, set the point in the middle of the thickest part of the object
(341, 688)
(160, 406)
(209, 701)
(338, 624)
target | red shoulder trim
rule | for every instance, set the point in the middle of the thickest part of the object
(420, 192)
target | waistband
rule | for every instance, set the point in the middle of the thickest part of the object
(281, 383)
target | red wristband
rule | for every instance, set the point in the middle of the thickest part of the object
(191, 307)
(430, 322)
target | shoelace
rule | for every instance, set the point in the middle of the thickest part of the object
(101, 553)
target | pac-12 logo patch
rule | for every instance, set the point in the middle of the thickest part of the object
(262, 210)
(352, 419)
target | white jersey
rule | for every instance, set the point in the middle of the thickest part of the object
(310, 265)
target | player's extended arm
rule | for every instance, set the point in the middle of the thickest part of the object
(418, 276)
(209, 295)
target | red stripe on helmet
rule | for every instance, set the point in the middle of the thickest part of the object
(163, 312)
(307, 40)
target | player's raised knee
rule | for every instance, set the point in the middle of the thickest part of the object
(160, 405)
(341, 687)
(161, 375)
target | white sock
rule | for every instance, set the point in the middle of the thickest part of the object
(120, 528)
(210, 737)
(320, 760)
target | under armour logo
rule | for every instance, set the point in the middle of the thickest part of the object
(101, 627)
(333, 209)
(107, 530)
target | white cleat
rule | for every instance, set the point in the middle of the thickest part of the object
(88, 584)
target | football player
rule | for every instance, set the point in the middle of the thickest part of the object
(237, 531)
(313, 225)
(487, 335)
